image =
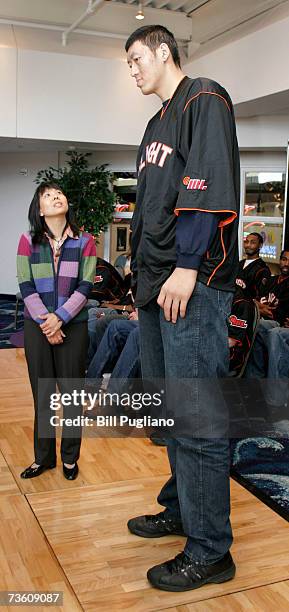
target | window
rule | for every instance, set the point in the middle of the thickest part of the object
(263, 210)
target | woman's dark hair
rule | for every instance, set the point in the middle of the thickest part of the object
(38, 226)
(153, 36)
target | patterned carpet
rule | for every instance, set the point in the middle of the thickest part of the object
(261, 465)
(7, 320)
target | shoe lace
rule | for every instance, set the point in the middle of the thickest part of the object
(158, 518)
(182, 564)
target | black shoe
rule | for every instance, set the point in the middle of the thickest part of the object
(156, 439)
(32, 472)
(183, 574)
(155, 526)
(70, 473)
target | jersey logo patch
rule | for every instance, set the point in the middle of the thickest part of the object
(235, 322)
(241, 283)
(270, 299)
(195, 184)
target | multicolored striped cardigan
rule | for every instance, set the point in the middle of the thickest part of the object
(65, 291)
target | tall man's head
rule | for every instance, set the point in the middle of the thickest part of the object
(284, 263)
(252, 245)
(153, 58)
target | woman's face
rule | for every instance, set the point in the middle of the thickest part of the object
(53, 203)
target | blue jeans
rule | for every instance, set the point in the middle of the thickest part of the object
(270, 359)
(96, 327)
(118, 352)
(198, 491)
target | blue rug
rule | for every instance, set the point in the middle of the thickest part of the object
(7, 316)
(262, 466)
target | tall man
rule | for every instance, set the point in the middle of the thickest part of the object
(184, 260)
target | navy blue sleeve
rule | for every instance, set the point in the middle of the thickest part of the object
(195, 231)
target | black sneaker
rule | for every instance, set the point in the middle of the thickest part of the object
(155, 526)
(183, 574)
(156, 439)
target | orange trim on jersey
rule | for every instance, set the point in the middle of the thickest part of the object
(222, 223)
(210, 93)
(224, 258)
(164, 109)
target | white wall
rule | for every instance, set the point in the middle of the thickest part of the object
(8, 72)
(263, 132)
(267, 160)
(67, 97)
(253, 66)
(15, 196)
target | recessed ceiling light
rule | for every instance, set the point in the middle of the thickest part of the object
(139, 14)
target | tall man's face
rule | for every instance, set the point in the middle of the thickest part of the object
(284, 263)
(145, 66)
(252, 246)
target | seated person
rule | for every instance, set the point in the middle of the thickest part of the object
(99, 318)
(251, 276)
(122, 264)
(118, 351)
(98, 321)
(270, 354)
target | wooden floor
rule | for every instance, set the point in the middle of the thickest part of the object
(65, 536)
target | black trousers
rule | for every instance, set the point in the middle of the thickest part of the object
(47, 365)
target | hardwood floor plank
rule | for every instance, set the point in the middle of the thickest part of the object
(8, 485)
(107, 565)
(13, 363)
(97, 561)
(26, 560)
(263, 599)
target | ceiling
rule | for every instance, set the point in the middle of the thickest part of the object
(32, 145)
(277, 103)
(200, 26)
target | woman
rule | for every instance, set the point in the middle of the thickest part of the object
(55, 266)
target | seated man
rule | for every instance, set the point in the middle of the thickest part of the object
(251, 276)
(118, 351)
(98, 320)
(270, 354)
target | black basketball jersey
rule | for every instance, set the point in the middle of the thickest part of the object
(188, 160)
(275, 293)
(250, 280)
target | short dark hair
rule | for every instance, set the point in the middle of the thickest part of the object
(284, 251)
(153, 36)
(257, 235)
(38, 226)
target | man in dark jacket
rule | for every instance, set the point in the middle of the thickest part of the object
(252, 274)
(270, 353)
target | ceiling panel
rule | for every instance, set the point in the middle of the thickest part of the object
(212, 23)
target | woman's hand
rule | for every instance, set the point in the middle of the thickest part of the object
(51, 325)
(57, 338)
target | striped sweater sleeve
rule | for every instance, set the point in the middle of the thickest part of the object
(79, 297)
(27, 287)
